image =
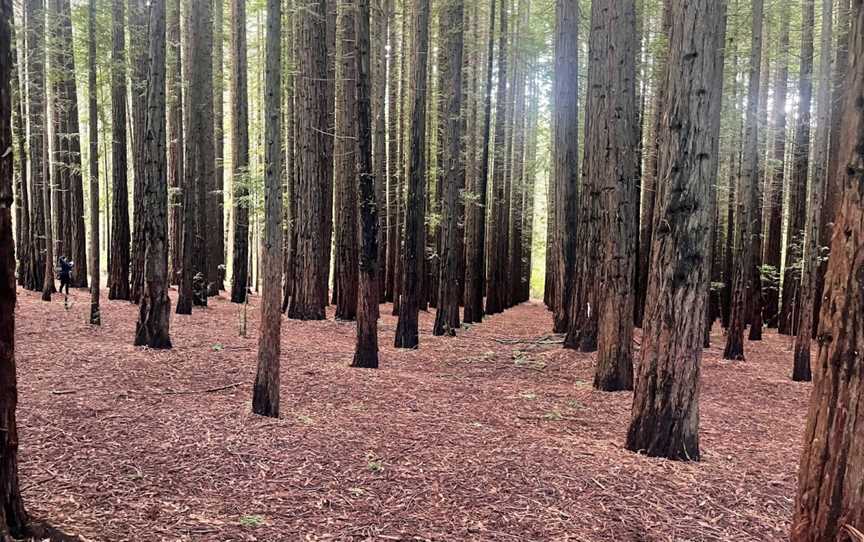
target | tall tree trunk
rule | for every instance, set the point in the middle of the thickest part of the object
(811, 252)
(531, 167)
(452, 33)
(118, 266)
(25, 245)
(774, 195)
(830, 503)
(152, 329)
(611, 166)
(95, 259)
(13, 518)
(565, 179)
(136, 14)
(309, 294)
(402, 163)
(392, 180)
(241, 178)
(265, 398)
(747, 192)
(378, 76)
(290, 209)
(407, 334)
(174, 77)
(475, 245)
(791, 296)
(665, 418)
(517, 163)
(366, 350)
(496, 287)
(329, 144)
(216, 200)
(346, 270)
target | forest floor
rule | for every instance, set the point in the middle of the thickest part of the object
(495, 434)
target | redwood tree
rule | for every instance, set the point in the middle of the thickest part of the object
(95, 271)
(665, 418)
(265, 398)
(830, 502)
(13, 518)
(240, 149)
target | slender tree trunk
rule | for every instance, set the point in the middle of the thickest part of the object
(830, 503)
(791, 296)
(174, 76)
(774, 195)
(289, 199)
(475, 246)
(346, 271)
(393, 175)
(366, 350)
(265, 398)
(309, 293)
(216, 198)
(453, 178)
(13, 518)
(152, 329)
(379, 30)
(95, 271)
(118, 266)
(136, 14)
(402, 164)
(329, 144)
(665, 419)
(241, 178)
(565, 179)
(407, 334)
(26, 245)
(531, 167)
(747, 192)
(801, 366)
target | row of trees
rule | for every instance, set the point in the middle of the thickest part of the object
(603, 279)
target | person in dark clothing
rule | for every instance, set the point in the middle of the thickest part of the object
(65, 273)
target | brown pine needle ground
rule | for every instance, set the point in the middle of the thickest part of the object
(493, 435)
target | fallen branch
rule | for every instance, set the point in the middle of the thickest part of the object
(208, 390)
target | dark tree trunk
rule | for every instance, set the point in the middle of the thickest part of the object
(329, 143)
(118, 259)
(791, 296)
(289, 207)
(265, 398)
(152, 329)
(240, 149)
(346, 270)
(747, 192)
(309, 277)
(517, 165)
(830, 503)
(378, 77)
(95, 270)
(34, 15)
(531, 167)
(801, 366)
(13, 518)
(475, 244)
(174, 76)
(136, 14)
(25, 245)
(565, 180)
(453, 174)
(611, 166)
(665, 419)
(216, 198)
(393, 135)
(407, 334)
(774, 195)
(366, 350)
(402, 165)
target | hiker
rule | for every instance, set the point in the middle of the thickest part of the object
(65, 273)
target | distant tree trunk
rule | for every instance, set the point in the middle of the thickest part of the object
(152, 329)
(346, 270)
(240, 150)
(774, 195)
(650, 180)
(13, 518)
(407, 334)
(118, 268)
(309, 293)
(366, 350)
(611, 166)
(453, 178)
(265, 398)
(517, 164)
(136, 13)
(791, 296)
(565, 180)
(665, 419)
(830, 503)
(48, 286)
(392, 179)
(379, 30)
(811, 251)
(95, 271)
(26, 245)
(174, 76)
(832, 188)
(216, 198)
(475, 244)
(329, 143)
(57, 105)
(531, 168)
(495, 289)
(289, 199)
(747, 192)
(402, 164)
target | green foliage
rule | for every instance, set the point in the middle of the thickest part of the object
(252, 521)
